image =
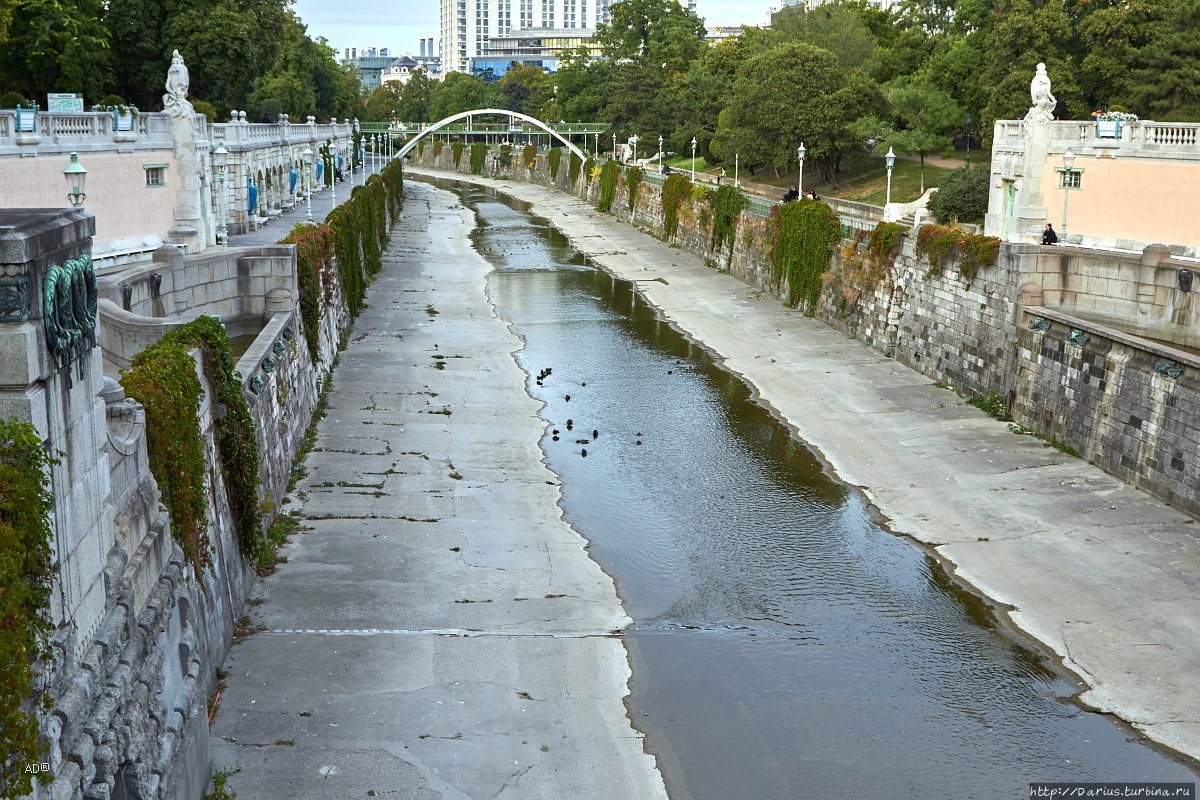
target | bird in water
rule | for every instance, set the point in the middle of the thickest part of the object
(595, 434)
(583, 452)
(570, 424)
(568, 398)
(583, 441)
(555, 431)
(556, 438)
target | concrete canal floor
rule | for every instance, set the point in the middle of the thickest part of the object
(1100, 572)
(439, 631)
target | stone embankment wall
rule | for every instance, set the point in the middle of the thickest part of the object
(1125, 403)
(139, 628)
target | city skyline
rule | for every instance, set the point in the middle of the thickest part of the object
(357, 23)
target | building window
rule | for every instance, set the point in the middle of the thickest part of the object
(1070, 180)
(156, 174)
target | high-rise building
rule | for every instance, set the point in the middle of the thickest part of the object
(468, 25)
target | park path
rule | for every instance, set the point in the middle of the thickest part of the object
(438, 631)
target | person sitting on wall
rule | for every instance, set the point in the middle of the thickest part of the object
(792, 194)
(812, 195)
(666, 170)
(1048, 235)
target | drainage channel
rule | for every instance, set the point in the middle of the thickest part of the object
(785, 645)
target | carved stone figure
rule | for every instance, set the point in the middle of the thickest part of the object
(175, 101)
(1043, 102)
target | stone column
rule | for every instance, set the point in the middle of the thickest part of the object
(51, 376)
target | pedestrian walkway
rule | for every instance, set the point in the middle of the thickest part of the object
(438, 630)
(322, 204)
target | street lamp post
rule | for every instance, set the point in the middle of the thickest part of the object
(890, 160)
(693, 159)
(308, 168)
(222, 158)
(735, 170)
(800, 151)
(660, 152)
(1068, 162)
(76, 177)
(332, 174)
(633, 140)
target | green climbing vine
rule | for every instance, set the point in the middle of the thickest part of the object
(26, 578)
(727, 204)
(675, 188)
(479, 151)
(237, 447)
(438, 146)
(529, 156)
(421, 147)
(163, 379)
(609, 174)
(590, 173)
(506, 155)
(573, 172)
(806, 233)
(552, 159)
(633, 181)
(860, 270)
(939, 244)
(456, 150)
(313, 245)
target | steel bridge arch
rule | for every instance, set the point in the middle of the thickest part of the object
(435, 127)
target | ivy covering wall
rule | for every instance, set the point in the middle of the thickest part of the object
(456, 150)
(26, 579)
(805, 234)
(939, 245)
(163, 379)
(609, 175)
(633, 182)
(727, 204)
(553, 159)
(314, 244)
(529, 156)
(479, 151)
(675, 188)
(573, 172)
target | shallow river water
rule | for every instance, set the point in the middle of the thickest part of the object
(785, 645)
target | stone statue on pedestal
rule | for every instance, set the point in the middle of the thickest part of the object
(181, 118)
(1044, 103)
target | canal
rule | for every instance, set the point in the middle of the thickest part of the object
(785, 645)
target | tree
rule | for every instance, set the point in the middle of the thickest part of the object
(834, 27)
(305, 77)
(652, 33)
(925, 115)
(460, 92)
(415, 98)
(56, 46)
(385, 104)
(796, 93)
(963, 196)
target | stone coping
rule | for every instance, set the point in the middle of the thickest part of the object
(1136, 342)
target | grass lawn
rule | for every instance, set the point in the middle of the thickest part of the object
(684, 163)
(906, 183)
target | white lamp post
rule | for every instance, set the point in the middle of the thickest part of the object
(633, 140)
(800, 151)
(614, 152)
(222, 158)
(76, 177)
(735, 170)
(660, 152)
(1068, 162)
(308, 167)
(332, 175)
(693, 159)
(890, 160)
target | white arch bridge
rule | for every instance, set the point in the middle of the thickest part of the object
(517, 124)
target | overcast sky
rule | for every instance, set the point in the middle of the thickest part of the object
(399, 24)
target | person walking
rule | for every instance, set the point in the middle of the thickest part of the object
(1048, 235)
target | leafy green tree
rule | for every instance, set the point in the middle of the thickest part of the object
(580, 86)
(57, 46)
(415, 98)
(925, 115)
(796, 93)
(460, 92)
(385, 104)
(305, 77)
(1165, 76)
(963, 196)
(835, 27)
(659, 33)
